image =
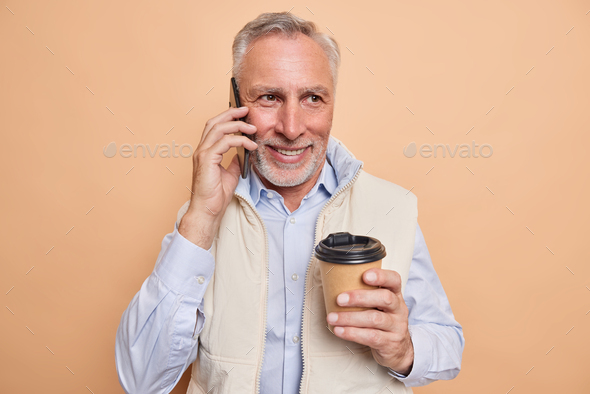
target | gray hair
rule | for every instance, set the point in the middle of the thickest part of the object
(289, 25)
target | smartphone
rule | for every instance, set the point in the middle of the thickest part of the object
(243, 153)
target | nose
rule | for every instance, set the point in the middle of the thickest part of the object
(290, 121)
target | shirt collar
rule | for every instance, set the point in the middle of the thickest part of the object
(327, 179)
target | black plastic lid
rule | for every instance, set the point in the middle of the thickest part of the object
(345, 248)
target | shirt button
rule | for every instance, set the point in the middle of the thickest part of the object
(294, 276)
(295, 339)
(200, 279)
(269, 195)
(292, 220)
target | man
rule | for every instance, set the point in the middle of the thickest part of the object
(236, 288)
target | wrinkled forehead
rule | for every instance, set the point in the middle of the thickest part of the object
(288, 63)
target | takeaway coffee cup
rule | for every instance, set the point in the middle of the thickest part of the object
(343, 259)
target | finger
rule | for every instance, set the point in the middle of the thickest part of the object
(371, 337)
(234, 167)
(388, 279)
(382, 299)
(221, 129)
(214, 154)
(372, 318)
(225, 116)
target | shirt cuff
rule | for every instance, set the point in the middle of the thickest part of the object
(185, 267)
(422, 357)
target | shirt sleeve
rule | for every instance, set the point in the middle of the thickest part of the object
(157, 338)
(437, 337)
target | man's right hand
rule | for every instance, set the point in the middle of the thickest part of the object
(213, 186)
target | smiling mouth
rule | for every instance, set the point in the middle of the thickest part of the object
(290, 152)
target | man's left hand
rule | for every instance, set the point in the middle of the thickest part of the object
(385, 328)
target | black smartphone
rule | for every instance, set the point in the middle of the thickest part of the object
(243, 153)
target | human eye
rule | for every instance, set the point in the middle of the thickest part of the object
(270, 97)
(314, 98)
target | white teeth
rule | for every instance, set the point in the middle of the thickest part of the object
(290, 152)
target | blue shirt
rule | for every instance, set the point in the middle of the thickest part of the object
(150, 360)
(291, 240)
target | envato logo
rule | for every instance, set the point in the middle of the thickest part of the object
(464, 150)
(163, 150)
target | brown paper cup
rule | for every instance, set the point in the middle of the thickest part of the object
(338, 278)
(343, 258)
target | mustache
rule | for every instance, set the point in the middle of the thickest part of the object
(299, 142)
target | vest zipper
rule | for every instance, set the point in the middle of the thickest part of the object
(316, 239)
(259, 368)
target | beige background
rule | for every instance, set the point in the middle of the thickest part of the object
(518, 292)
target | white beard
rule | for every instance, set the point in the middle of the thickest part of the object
(288, 174)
